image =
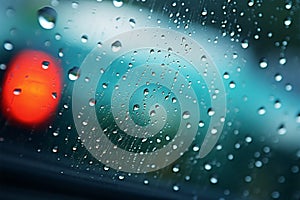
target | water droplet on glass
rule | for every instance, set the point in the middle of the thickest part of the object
(207, 167)
(287, 22)
(282, 60)
(55, 149)
(54, 95)
(288, 5)
(278, 77)
(226, 75)
(74, 73)
(47, 17)
(45, 64)
(277, 104)
(132, 22)
(136, 107)
(92, 102)
(3, 66)
(298, 118)
(263, 63)
(17, 91)
(152, 113)
(213, 180)
(261, 111)
(84, 38)
(116, 46)
(210, 112)
(288, 87)
(186, 115)
(232, 84)
(201, 124)
(117, 3)
(176, 169)
(245, 44)
(281, 130)
(175, 188)
(8, 46)
(75, 4)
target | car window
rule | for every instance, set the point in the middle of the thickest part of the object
(163, 99)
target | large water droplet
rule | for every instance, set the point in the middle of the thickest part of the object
(132, 22)
(116, 46)
(17, 91)
(8, 46)
(263, 63)
(74, 73)
(281, 130)
(186, 115)
(245, 44)
(47, 17)
(261, 111)
(45, 64)
(118, 3)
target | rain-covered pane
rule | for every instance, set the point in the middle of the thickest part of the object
(149, 99)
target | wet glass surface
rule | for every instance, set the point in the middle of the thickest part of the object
(162, 99)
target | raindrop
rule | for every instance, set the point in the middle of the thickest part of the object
(55, 149)
(207, 167)
(201, 124)
(104, 85)
(75, 4)
(54, 95)
(74, 73)
(204, 12)
(282, 60)
(176, 169)
(84, 38)
(277, 104)
(45, 64)
(278, 77)
(116, 46)
(287, 22)
(188, 125)
(288, 5)
(210, 112)
(232, 84)
(288, 87)
(261, 111)
(281, 130)
(47, 17)
(298, 118)
(245, 44)
(118, 3)
(152, 113)
(175, 188)
(186, 115)
(275, 195)
(226, 75)
(132, 22)
(17, 91)
(146, 91)
(136, 107)
(263, 63)
(213, 180)
(248, 139)
(60, 53)
(3, 66)
(258, 164)
(174, 100)
(196, 148)
(8, 46)
(92, 102)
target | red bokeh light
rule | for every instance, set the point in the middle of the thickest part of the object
(32, 88)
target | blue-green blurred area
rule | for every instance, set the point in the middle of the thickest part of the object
(254, 45)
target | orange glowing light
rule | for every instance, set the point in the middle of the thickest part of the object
(32, 88)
